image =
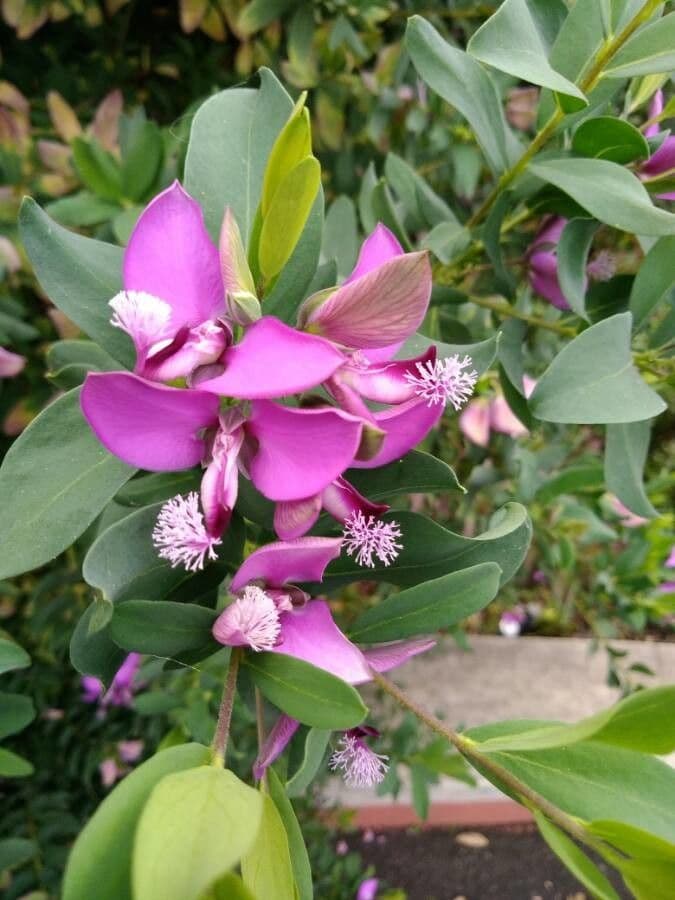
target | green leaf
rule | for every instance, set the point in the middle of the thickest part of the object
(82, 210)
(229, 887)
(651, 880)
(340, 235)
(419, 783)
(593, 780)
(266, 867)
(16, 711)
(302, 871)
(423, 206)
(290, 287)
(491, 235)
(123, 562)
(463, 83)
(626, 449)
(259, 13)
(655, 277)
(643, 721)
(231, 137)
(161, 628)
(12, 656)
(385, 211)
(98, 169)
(482, 354)
(447, 240)
(86, 354)
(141, 161)
(414, 473)
(305, 692)
(15, 852)
(632, 841)
(511, 42)
(316, 742)
(287, 215)
(100, 861)
(13, 766)
(429, 606)
(650, 50)
(593, 380)
(92, 649)
(605, 137)
(79, 275)
(54, 481)
(431, 551)
(147, 489)
(608, 192)
(195, 827)
(576, 861)
(292, 145)
(571, 480)
(573, 249)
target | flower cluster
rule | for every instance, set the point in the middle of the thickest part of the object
(219, 384)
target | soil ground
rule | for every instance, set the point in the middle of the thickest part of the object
(515, 864)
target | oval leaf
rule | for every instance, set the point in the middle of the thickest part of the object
(605, 137)
(626, 449)
(266, 867)
(12, 656)
(194, 828)
(162, 628)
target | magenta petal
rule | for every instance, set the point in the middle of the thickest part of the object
(386, 382)
(379, 247)
(10, 363)
(171, 256)
(383, 354)
(655, 109)
(341, 500)
(274, 360)
(382, 307)
(286, 562)
(300, 451)
(309, 633)
(388, 656)
(543, 276)
(503, 420)
(293, 518)
(147, 425)
(405, 426)
(474, 422)
(275, 744)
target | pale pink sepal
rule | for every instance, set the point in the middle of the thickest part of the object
(384, 657)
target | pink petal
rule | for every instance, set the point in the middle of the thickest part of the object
(385, 382)
(661, 162)
(287, 562)
(300, 451)
(382, 307)
(171, 256)
(550, 232)
(341, 499)
(294, 518)
(474, 422)
(275, 744)
(405, 426)
(389, 656)
(504, 421)
(383, 354)
(670, 562)
(309, 633)
(147, 425)
(10, 363)
(655, 109)
(379, 247)
(543, 277)
(274, 360)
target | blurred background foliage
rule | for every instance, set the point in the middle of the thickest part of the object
(96, 101)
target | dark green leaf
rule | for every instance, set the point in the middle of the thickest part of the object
(463, 82)
(316, 742)
(593, 380)
(626, 449)
(148, 489)
(16, 851)
(16, 711)
(573, 249)
(304, 692)
(161, 628)
(655, 276)
(92, 649)
(98, 169)
(605, 137)
(431, 551)
(100, 861)
(430, 606)
(571, 481)
(340, 235)
(13, 766)
(12, 656)
(492, 240)
(79, 275)
(141, 161)
(415, 473)
(651, 50)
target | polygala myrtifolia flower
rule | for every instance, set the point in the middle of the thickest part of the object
(122, 688)
(182, 302)
(663, 159)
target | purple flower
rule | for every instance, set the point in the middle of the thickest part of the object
(121, 690)
(482, 416)
(360, 766)
(368, 889)
(543, 263)
(663, 160)
(11, 364)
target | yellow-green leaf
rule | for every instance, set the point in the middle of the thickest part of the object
(266, 868)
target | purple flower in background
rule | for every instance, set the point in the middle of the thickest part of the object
(110, 772)
(668, 587)
(121, 690)
(543, 263)
(483, 416)
(368, 889)
(628, 519)
(359, 764)
(11, 364)
(663, 160)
